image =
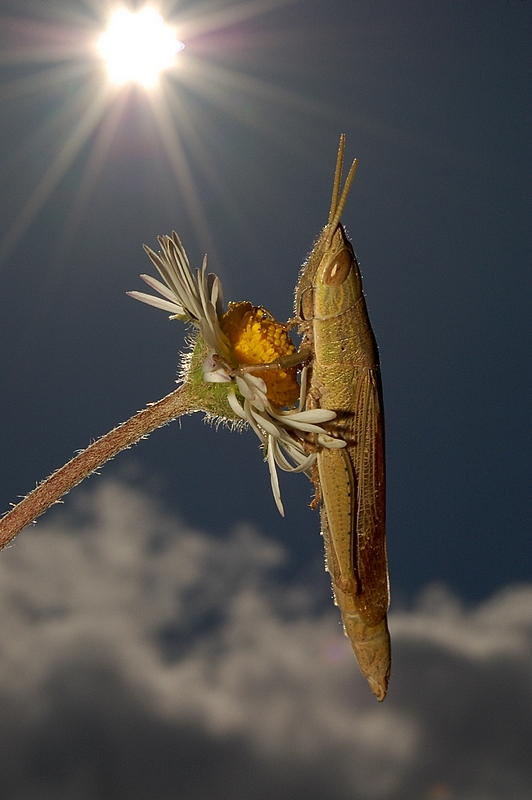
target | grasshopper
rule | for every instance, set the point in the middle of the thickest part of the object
(350, 483)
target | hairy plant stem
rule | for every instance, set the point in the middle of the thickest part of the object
(174, 405)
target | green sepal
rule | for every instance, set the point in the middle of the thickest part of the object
(208, 397)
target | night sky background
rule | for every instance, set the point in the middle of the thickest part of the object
(165, 633)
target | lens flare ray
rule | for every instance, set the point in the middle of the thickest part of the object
(63, 160)
(176, 155)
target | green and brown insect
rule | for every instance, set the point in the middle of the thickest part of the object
(350, 483)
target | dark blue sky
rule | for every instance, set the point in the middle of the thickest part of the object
(165, 633)
(434, 99)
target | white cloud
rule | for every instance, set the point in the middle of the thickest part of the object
(181, 662)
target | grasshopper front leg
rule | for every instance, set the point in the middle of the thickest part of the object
(296, 359)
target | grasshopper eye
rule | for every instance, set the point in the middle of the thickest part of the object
(339, 268)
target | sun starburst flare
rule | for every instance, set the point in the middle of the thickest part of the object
(138, 46)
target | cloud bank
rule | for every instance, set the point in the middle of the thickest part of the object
(140, 658)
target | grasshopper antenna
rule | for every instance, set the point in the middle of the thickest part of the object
(337, 178)
(341, 203)
(337, 205)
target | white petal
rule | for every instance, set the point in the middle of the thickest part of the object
(296, 451)
(304, 465)
(216, 293)
(274, 478)
(210, 362)
(302, 426)
(280, 459)
(303, 390)
(197, 296)
(213, 372)
(267, 424)
(303, 462)
(256, 382)
(235, 405)
(313, 415)
(329, 441)
(179, 311)
(160, 287)
(245, 390)
(249, 417)
(252, 392)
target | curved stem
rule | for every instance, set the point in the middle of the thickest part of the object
(95, 455)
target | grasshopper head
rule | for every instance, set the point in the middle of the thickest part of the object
(332, 243)
(329, 264)
(337, 285)
(338, 263)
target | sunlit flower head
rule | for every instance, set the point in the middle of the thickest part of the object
(257, 338)
(228, 346)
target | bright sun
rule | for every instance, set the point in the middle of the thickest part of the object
(138, 46)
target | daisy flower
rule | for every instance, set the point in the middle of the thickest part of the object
(243, 363)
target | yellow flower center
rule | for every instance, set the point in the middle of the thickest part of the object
(257, 338)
